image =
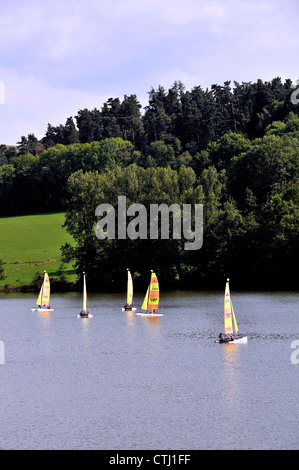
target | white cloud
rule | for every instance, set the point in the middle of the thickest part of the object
(30, 104)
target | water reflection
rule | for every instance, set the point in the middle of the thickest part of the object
(45, 315)
(85, 324)
(131, 320)
(130, 317)
(231, 352)
(153, 327)
(232, 383)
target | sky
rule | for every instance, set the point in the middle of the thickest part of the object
(60, 56)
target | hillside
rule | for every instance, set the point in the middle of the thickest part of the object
(233, 149)
(31, 244)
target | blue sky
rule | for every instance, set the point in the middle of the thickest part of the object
(57, 57)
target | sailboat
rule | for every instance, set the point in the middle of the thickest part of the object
(230, 322)
(151, 299)
(43, 300)
(84, 313)
(128, 306)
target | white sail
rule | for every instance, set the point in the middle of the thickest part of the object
(129, 289)
(84, 294)
(84, 313)
(230, 322)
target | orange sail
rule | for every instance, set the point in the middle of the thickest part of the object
(151, 299)
(153, 296)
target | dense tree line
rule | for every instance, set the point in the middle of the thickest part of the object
(234, 150)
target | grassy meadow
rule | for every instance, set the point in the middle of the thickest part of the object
(31, 243)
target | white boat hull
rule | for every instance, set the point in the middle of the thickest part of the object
(149, 315)
(240, 340)
(235, 341)
(42, 309)
(90, 315)
(133, 309)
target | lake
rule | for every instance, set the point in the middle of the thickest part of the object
(117, 381)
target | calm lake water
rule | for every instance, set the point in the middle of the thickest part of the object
(117, 381)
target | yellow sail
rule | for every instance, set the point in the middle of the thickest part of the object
(153, 296)
(228, 324)
(129, 289)
(46, 291)
(234, 317)
(144, 305)
(38, 302)
(84, 294)
(44, 295)
(151, 299)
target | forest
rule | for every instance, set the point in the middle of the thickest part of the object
(233, 148)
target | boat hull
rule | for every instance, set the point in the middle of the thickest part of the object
(133, 309)
(85, 316)
(42, 309)
(242, 340)
(149, 315)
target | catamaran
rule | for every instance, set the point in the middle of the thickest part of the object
(128, 306)
(43, 300)
(84, 313)
(230, 322)
(151, 299)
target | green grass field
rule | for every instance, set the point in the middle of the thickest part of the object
(32, 243)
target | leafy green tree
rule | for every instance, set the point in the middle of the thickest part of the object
(110, 113)
(86, 127)
(198, 115)
(156, 121)
(70, 133)
(130, 121)
(279, 242)
(7, 174)
(225, 118)
(6, 154)
(114, 151)
(26, 193)
(29, 144)
(266, 166)
(161, 153)
(290, 125)
(2, 275)
(65, 135)
(107, 259)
